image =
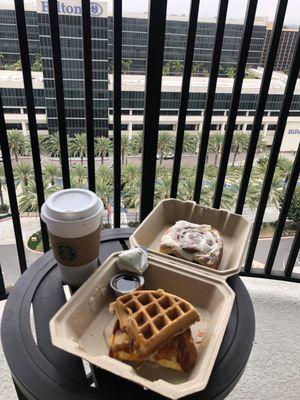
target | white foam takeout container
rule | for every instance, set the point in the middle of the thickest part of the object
(84, 325)
(234, 229)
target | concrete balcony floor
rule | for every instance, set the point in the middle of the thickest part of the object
(272, 372)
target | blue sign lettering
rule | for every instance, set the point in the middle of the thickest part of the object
(96, 9)
(294, 132)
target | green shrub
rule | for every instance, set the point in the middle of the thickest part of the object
(4, 208)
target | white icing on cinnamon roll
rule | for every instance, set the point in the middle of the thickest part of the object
(193, 242)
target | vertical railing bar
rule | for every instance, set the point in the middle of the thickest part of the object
(59, 92)
(117, 91)
(2, 286)
(10, 183)
(156, 36)
(210, 96)
(27, 78)
(88, 80)
(292, 183)
(293, 255)
(284, 113)
(261, 103)
(235, 99)
(188, 65)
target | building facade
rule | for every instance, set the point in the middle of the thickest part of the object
(133, 106)
(134, 49)
(285, 51)
(134, 53)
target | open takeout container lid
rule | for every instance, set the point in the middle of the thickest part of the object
(84, 325)
(234, 229)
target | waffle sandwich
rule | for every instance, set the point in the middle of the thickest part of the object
(155, 326)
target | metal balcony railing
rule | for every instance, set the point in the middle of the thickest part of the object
(156, 36)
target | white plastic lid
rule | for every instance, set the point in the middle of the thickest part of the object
(72, 204)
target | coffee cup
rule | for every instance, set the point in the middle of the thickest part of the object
(73, 218)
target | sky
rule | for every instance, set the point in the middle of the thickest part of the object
(209, 8)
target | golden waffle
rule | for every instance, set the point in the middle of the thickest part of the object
(152, 317)
(178, 353)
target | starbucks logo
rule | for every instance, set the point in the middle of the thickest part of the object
(66, 253)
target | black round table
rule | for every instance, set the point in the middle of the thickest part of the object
(41, 371)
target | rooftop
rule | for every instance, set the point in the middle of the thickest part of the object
(200, 84)
(14, 79)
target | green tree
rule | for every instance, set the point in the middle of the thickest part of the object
(130, 174)
(136, 143)
(294, 211)
(165, 144)
(132, 195)
(104, 172)
(126, 66)
(28, 199)
(166, 68)
(2, 183)
(104, 189)
(125, 147)
(230, 72)
(51, 145)
(78, 174)
(205, 72)
(190, 142)
(162, 188)
(51, 173)
(103, 145)
(16, 142)
(2, 61)
(37, 64)
(186, 187)
(23, 174)
(176, 66)
(262, 146)
(197, 68)
(17, 66)
(239, 144)
(78, 146)
(215, 145)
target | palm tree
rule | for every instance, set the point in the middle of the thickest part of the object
(276, 191)
(16, 142)
(2, 183)
(130, 174)
(78, 175)
(28, 199)
(78, 146)
(162, 188)
(104, 172)
(165, 144)
(190, 142)
(51, 145)
(262, 146)
(230, 72)
(132, 194)
(23, 174)
(239, 144)
(104, 190)
(125, 147)
(136, 143)
(186, 188)
(253, 194)
(103, 145)
(52, 172)
(215, 145)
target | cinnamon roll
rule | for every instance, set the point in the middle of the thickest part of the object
(198, 243)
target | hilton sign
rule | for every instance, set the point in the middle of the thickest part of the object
(68, 7)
